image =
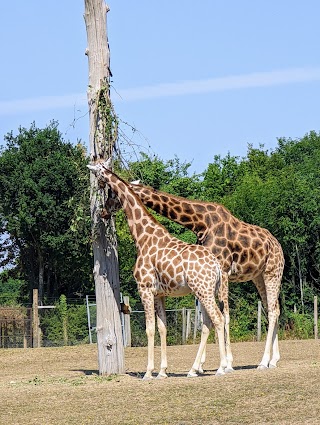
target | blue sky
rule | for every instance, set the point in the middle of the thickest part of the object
(195, 79)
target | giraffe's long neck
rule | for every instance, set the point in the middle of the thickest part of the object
(195, 215)
(141, 223)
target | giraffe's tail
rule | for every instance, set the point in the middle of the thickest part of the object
(219, 279)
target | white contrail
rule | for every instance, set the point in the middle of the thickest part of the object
(233, 82)
(258, 79)
(14, 107)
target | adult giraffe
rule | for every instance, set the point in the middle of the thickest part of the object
(245, 252)
(165, 266)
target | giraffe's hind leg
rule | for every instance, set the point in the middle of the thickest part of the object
(223, 295)
(217, 319)
(275, 348)
(197, 366)
(268, 287)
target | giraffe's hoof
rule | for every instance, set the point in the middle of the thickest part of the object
(220, 372)
(162, 376)
(147, 377)
(229, 370)
(192, 375)
(262, 367)
(272, 366)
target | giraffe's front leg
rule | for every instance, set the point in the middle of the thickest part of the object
(224, 305)
(159, 304)
(150, 331)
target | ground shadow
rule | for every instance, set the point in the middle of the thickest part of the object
(140, 374)
(87, 372)
(247, 367)
(206, 373)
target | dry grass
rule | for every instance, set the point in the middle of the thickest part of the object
(61, 386)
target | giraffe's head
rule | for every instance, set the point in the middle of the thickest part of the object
(112, 203)
(97, 167)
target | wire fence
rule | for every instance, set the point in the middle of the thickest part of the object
(17, 326)
(180, 327)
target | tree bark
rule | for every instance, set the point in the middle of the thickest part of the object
(102, 135)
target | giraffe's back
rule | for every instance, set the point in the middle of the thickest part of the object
(244, 250)
(180, 267)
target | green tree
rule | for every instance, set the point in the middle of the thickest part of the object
(44, 202)
(281, 192)
(221, 178)
(10, 289)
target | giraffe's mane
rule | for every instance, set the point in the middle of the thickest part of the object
(181, 198)
(138, 200)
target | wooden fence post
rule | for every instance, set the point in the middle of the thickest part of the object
(127, 324)
(188, 327)
(259, 321)
(315, 312)
(35, 320)
(184, 325)
(196, 314)
(89, 319)
(25, 330)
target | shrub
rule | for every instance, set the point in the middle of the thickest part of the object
(298, 326)
(65, 324)
(243, 321)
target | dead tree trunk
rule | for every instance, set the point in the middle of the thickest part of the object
(103, 133)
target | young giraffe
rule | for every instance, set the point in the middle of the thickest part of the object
(245, 252)
(166, 266)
